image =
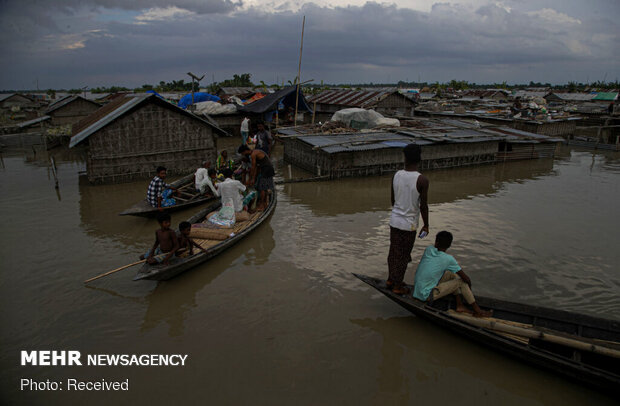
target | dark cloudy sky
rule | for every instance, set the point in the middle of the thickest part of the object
(76, 43)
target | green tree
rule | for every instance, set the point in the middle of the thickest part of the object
(242, 80)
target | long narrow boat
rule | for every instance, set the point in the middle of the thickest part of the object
(580, 347)
(188, 197)
(176, 266)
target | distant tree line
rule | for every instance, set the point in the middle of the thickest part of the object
(244, 80)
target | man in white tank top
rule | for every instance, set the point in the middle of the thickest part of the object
(409, 200)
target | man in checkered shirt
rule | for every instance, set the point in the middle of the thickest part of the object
(156, 187)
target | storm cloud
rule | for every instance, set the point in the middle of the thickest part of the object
(104, 42)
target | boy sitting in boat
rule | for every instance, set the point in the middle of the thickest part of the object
(166, 242)
(436, 277)
(186, 243)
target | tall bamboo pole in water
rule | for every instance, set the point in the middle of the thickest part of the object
(301, 48)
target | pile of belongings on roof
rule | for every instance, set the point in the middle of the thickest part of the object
(361, 119)
(336, 127)
(214, 108)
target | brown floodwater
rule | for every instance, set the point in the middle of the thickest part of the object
(278, 318)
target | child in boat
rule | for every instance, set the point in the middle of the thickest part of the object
(166, 242)
(435, 277)
(186, 243)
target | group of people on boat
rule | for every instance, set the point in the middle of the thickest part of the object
(231, 182)
(438, 273)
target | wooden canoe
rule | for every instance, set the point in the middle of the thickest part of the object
(189, 197)
(580, 347)
(178, 265)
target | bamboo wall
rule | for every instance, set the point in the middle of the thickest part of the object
(395, 105)
(516, 151)
(231, 123)
(72, 112)
(134, 145)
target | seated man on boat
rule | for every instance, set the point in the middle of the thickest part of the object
(232, 202)
(231, 189)
(436, 277)
(205, 178)
(166, 242)
(261, 167)
(159, 193)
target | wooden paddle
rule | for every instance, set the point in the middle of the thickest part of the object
(121, 268)
(114, 271)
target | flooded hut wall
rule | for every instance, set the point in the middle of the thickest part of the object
(439, 156)
(231, 123)
(135, 144)
(562, 128)
(385, 160)
(516, 151)
(72, 112)
(395, 105)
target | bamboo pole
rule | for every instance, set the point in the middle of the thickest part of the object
(114, 271)
(537, 334)
(313, 112)
(301, 48)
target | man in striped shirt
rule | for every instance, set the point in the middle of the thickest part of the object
(156, 187)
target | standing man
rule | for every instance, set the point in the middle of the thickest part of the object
(264, 140)
(245, 130)
(261, 165)
(409, 200)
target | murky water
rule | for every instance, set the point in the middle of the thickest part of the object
(278, 318)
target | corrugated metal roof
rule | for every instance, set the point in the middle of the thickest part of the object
(421, 132)
(66, 100)
(352, 98)
(34, 121)
(606, 96)
(572, 96)
(357, 142)
(5, 96)
(235, 91)
(528, 94)
(112, 111)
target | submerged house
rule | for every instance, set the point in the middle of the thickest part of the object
(70, 109)
(444, 144)
(386, 102)
(128, 138)
(10, 101)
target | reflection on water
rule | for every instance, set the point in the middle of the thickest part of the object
(283, 299)
(357, 195)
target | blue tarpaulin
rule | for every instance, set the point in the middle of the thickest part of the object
(186, 100)
(156, 94)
